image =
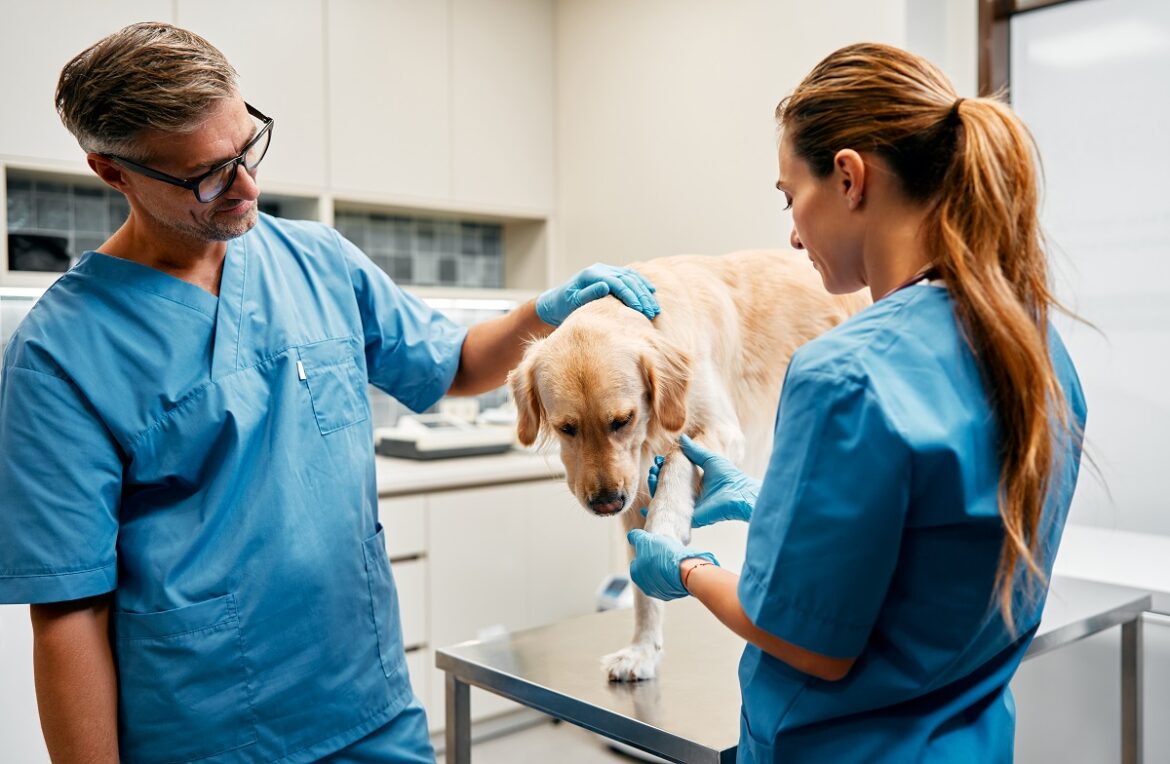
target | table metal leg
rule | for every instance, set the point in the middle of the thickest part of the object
(1131, 691)
(458, 729)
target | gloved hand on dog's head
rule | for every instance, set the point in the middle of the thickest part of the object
(554, 305)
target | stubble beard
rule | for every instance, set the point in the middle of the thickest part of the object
(211, 229)
(222, 230)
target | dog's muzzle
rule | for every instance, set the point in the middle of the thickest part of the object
(607, 502)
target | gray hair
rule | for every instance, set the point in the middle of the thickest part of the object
(148, 76)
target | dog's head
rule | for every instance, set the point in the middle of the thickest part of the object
(603, 394)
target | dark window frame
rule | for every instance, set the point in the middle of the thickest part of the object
(995, 40)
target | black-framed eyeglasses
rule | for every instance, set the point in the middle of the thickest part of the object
(215, 182)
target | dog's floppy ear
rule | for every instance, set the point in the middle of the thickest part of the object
(529, 410)
(666, 375)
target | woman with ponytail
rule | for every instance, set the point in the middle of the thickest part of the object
(926, 450)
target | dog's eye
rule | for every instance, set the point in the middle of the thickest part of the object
(568, 429)
(618, 424)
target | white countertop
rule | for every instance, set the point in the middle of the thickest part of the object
(1140, 560)
(397, 477)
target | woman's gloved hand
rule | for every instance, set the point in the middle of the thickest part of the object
(655, 565)
(727, 494)
(595, 282)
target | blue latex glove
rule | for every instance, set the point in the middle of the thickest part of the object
(652, 481)
(595, 282)
(655, 565)
(727, 494)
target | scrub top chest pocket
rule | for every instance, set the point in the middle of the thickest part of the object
(336, 386)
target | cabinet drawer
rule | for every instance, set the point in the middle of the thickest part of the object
(411, 578)
(404, 518)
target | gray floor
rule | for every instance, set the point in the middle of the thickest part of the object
(563, 743)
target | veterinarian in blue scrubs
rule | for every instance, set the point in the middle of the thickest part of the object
(189, 495)
(925, 451)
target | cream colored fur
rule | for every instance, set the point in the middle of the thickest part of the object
(711, 365)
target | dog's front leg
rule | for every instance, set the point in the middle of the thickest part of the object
(670, 514)
(673, 505)
(640, 659)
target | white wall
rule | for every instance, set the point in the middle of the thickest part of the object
(665, 128)
(1104, 63)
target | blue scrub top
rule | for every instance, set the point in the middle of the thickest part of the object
(210, 461)
(877, 535)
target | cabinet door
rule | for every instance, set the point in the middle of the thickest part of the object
(39, 39)
(477, 554)
(404, 518)
(510, 557)
(389, 96)
(568, 553)
(277, 47)
(502, 100)
(479, 574)
(410, 577)
(20, 727)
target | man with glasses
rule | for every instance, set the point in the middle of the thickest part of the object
(188, 488)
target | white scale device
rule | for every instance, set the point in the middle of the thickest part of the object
(615, 592)
(440, 436)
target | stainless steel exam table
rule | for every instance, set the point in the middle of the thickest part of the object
(690, 713)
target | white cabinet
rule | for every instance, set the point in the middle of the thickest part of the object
(410, 579)
(504, 558)
(278, 50)
(473, 563)
(404, 518)
(39, 39)
(503, 71)
(389, 103)
(20, 726)
(444, 103)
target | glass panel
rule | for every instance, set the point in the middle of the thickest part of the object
(428, 251)
(51, 221)
(1088, 78)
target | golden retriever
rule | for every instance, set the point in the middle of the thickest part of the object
(615, 389)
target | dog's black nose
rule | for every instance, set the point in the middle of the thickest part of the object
(607, 502)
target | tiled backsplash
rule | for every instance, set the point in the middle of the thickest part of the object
(428, 251)
(51, 222)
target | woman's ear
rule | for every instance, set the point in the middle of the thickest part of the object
(666, 375)
(849, 172)
(529, 411)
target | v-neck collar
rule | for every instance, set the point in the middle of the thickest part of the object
(225, 310)
(228, 320)
(148, 279)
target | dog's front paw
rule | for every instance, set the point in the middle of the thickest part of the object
(634, 663)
